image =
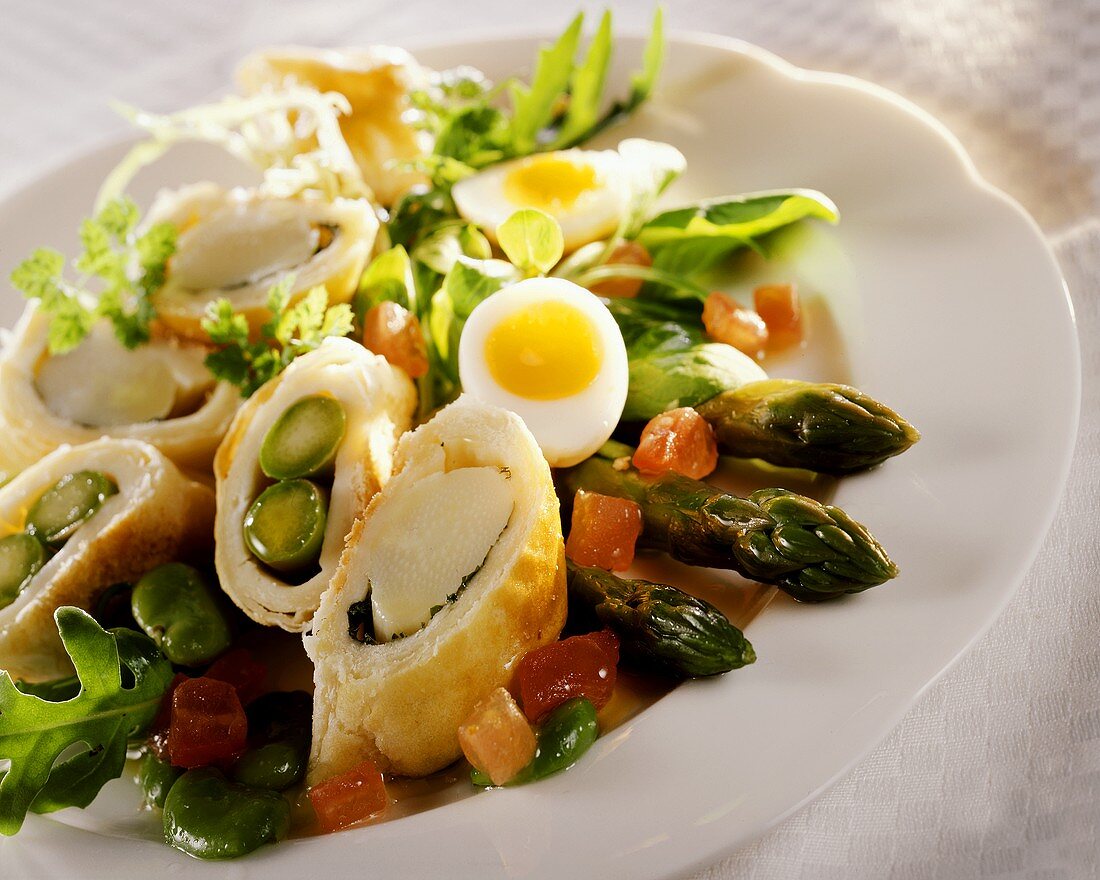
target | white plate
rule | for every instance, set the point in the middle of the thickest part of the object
(953, 312)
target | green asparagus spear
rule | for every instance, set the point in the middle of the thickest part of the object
(809, 550)
(833, 429)
(660, 628)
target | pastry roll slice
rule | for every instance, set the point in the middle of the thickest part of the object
(238, 243)
(160, 393)
(76, 522)
(455, 571)
(303, 458)
(377, 82)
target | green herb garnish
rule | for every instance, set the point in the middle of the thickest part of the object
(292, 330)
(117, 274)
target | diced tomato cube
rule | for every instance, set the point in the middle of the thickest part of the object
(725, 321)
(628, 253)
(350, 797)
(496, 738)
(208, 724)
(240, 669)
(604, 531)
(679, 440)
(394, 332)
(779, 306)
(158, 730)
(580, 666)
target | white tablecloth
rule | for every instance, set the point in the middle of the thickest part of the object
(996, 772)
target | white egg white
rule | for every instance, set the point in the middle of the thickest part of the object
(568, 429)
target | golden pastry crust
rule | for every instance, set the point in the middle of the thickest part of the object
(31, 430)
(400, 703)
(157, 516)
(376, 81)
(338, 266)
(378, 400)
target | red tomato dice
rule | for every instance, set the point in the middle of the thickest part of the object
(604, 531)
(158, 730)
(394, 332)
(679, 440)
(208, 724)
(350, 797)
(781, 310)
(725, 321)
(629, 253)
(240, 669)
(580, 666)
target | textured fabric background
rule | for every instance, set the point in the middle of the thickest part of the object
(996, 772)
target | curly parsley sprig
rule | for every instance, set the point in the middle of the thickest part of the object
(292, 330)
(117, 273)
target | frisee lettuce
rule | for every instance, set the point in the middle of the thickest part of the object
(291, 134)
(116, 274)
(123, 678)
(292, 330)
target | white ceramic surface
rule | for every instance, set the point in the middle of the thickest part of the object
(953, 311)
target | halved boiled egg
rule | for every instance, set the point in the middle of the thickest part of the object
(549, 351)
(586, 191)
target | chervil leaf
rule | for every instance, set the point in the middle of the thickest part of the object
(118, 275)
(102, 717)
(293, 329)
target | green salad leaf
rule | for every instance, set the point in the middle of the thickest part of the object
(667, 378)
(292, 330)
(562, 106)
(694, 238)
(123, 678)
(532, 240)
(388, 278)
(118, 271)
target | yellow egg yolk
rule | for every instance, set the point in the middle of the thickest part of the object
(544, 351)
(548, 182)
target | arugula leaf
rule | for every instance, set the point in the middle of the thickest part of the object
(587, 85)
(533, 106)
(560, 108)
(291, 331)
(103, 717)
(698, 236)
(119, 271)
(532, 240)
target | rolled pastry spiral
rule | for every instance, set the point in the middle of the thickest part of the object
(400, 703)
(378, 400)
(158, 515)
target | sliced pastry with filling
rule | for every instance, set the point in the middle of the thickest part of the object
(303, 458)
(455, 572)
(79, 521)
(237, 243)
(160, 393)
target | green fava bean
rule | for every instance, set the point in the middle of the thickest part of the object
(156, 778)
(67, 505)
(21, 557)
(565, 735)
(176, 609)
(285, 526)
(209, 817)
(276, 766)
(303, 440)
